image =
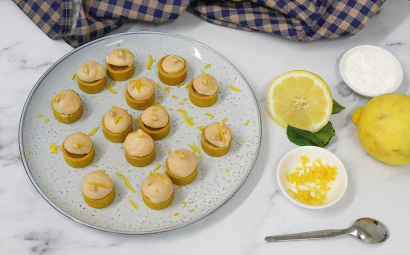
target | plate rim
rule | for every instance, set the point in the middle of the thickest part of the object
(135, 233)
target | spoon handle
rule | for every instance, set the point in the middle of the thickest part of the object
(306, 235)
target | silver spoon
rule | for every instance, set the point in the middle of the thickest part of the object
(367, 230)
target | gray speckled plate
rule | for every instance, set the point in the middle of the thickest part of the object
(60, 185)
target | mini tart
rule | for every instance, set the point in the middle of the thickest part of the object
(159, 206)
(181, 180)
(76, 160)
(157, 133)
(201, 100)
(120, 73)
(212, 150)
(139, 105)
(141, 161)
(171, 79)
(92, 87)
(115, 137)
(100, 203)
(67, 118)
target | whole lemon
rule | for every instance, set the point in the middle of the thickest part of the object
(383, 127)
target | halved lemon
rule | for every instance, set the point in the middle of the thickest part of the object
(301, 99)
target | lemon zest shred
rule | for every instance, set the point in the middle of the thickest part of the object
(183, 101)
(94, 165)
(234, 88)
(187, 120)
(152, 112)
(156, 84)
(221, 131)
(207, 66)
(179, 187)
(157, 166)
(244, 141)
(158, 104)
(246, 123)
(93, 131)
(155, 174)
(200, 155)
(101, 170)
(54, 148)
(184, 204)
(127, 183)
(207, 79)
(30, 153)
(168, 151)
(46, 120)
(187, 85)
(176, 214)
(227, 171)
(133, 204)
(200, 127)
(181, 84)
(39, 115)
(81, 144)
(114, 106)
(138, 84)
(72, 77)
(189, 106)
(117, 119)
(102, 185)
(174, 96)
(141, 136)
(167, 89)
(109, 87)
(149, 64)
(210, 115)
(192, 210)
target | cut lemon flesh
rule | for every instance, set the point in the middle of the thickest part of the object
(301, 99)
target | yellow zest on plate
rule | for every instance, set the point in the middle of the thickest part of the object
(192, 202)
(127, 183)
(210, 115)
(194, 148)
(117, 119)
(99, 185)
(133, 204)
(101, 170)
(227, 171)
(207, 66)
(189, 106)
(109, 87)
(30, 153)
(316, 180)
(46, 120)
(155, 174)
(244, 141)
(187, 85)
(54, 148)
(234, 88)
(93, 131)
(39, 115)
(138, 84)
(183, 101)
(118, 44)
(200, 155)
(81, 144)
(207, 79)
(167, 89)
(168, 151)
(156, 84)
(182, 83)
(179, 187)
(220, 130)
(200, 127)
(160, 97)
(149, 64)
(72, 77)
(157, 166)
(184, 204)
(114, 106)
(246, 123)
(191, 210)
(187, 120)
(174, 96)
(170, 109)
(94, 165)
(176, 214)
(136, 121)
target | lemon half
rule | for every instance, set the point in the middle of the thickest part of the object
(301, 99)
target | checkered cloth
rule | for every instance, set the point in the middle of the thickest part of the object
(303, 20)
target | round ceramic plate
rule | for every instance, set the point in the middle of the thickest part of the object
(60, 184)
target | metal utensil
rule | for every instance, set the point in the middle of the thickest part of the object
(367, 230)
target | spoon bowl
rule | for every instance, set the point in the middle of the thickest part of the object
(367, 230)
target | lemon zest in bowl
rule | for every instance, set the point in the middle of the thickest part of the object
(156, 84)
(102, 185)
(149, 64)
(109, 87)
(207, 79)
(207, 66)
(184, 204)
(127, 183)
(317, 179)
(93, 131)
(234, 88)
(133, 204)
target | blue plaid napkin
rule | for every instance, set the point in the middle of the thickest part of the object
(303, 20)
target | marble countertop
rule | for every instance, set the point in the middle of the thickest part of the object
(31, 226)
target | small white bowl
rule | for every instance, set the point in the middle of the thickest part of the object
(378, 52)
(292, 160)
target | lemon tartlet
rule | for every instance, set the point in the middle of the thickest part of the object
(97, 189)
(91, 77)
(216, 139)
(157, 191)
(67, 106)
(155, 121)
(203, 90)
(140, 93)
(182, 167)
(117, 124)
(172, 70)
(120, 64)
(139, 148)
(78, 150)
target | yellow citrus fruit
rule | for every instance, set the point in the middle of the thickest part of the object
(383, 127)
(301, 99)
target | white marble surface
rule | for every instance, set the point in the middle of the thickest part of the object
(30, 226)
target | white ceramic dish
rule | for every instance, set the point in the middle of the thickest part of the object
(292, 160)
(378, 52)
(60, 185)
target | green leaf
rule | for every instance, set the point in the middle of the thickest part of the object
(336, 107)
(302, 137)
